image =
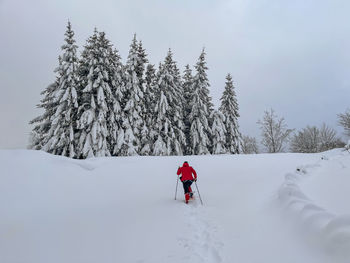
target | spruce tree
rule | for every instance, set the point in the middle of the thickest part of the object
(187, 84)
(218, 132)
(145, 140)
(150, 100)
(134, 101)
(201, 80)
(162, 124)
(115, 114)
(150, 93)
(169, 122)
(61, 136)
(177, 106)
(96, 112)
(141, 65)
(42, 123)
(229, 108)
(201, 104)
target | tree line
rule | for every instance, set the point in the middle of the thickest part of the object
(97, 106)
(277, 137)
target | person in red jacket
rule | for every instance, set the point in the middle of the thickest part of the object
(187, 179)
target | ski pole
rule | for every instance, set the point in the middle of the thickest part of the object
(195, 182)
(176, 186)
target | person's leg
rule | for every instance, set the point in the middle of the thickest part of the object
(184, 185)
(190, 189)
(191, 192)
(187, 192)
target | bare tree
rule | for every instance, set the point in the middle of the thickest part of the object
(344, 120)
(328, 138)
(275, 133)
(249, 145)
(306, 140)
(313, 139)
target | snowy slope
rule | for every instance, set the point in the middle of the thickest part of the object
(54, 209)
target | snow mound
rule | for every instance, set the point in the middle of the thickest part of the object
(322, 227)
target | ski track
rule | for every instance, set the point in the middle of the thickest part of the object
(201, 243)
(332, 232)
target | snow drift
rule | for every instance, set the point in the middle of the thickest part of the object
(321, 225)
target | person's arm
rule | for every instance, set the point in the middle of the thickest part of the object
(194, 173)
(179, 171)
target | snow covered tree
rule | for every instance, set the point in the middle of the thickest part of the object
(306, 140)
(145, 138)
(126, 140)
(177, 105)
(134, 109)
(344, 120)
(218, 132)
(97, 120)
(249, 145)
(328, 138)
(142, 61)
(201, 80)
(42, 123)
(58, 97)
(229, 107)
(170, 138)
(61, 136)
(150, 93)
(150, 100)
(162, 124)
(313, 139)
(201, 108)
(275, 133)
(115, 71)
(187, 84)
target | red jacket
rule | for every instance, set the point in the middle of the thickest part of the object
(186, 172)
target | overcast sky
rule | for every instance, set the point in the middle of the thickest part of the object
(292, 56)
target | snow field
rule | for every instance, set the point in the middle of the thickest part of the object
(323, 227)
(55, 209)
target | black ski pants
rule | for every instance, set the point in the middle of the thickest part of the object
(186, 185)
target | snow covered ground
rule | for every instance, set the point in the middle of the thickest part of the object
(257, 208)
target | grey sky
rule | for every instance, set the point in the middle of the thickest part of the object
(292, 56)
